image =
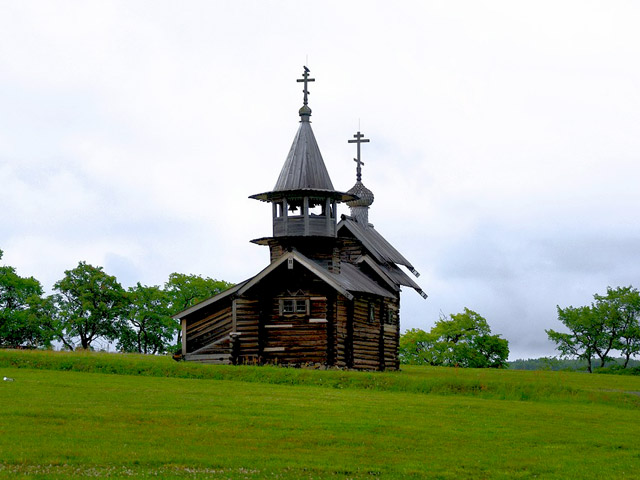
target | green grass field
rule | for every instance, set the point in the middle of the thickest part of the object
(122, 416)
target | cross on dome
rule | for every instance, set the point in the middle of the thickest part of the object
(359, 138)
(305, 79)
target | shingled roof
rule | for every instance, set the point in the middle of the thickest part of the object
(387, 257)
(304, 167)
(304, 170)
(375, 243)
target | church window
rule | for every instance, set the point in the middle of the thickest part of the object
(389, 319)
(372, 313)
(294, 306)
(288, 306)
(301, 306)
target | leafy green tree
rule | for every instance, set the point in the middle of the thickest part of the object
(22, 312)
(620, 309)
(463, 339)
(416, 347)
(147, 326)
(609, 323)
(89, 305)
(585, 328)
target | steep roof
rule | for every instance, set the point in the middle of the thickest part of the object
(381, 256)
(391, 274)
(304, 170)
(375, 243)
(304, 167)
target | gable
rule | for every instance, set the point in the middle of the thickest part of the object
(350, 279)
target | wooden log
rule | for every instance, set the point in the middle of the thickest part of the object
(201, 358)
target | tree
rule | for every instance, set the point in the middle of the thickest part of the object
(621, 310)
(89, 306)
(416, 347)
(585, 333)
(147, 326)
(22, 313)
(609, 323)
(463, 339)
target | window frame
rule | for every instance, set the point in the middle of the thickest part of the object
(299, 306)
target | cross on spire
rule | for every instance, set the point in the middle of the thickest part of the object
(305, 79)
(359, 138)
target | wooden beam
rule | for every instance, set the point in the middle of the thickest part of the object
(184, 336)
(209, 345)
(234, 317)
(285, 215)
(329, 219)
(305, 214)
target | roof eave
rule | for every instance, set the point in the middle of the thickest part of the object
(276, 195)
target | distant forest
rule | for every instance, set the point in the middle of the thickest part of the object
(578, 365)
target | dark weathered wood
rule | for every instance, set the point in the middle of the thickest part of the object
(347, 274)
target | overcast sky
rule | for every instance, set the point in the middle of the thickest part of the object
(504, 153)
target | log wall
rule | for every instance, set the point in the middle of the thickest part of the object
(350, 249)
(247, 312)
(391, 334)
(343, 332)
(296, 338)
(207, 330)
(366, 334)
(333, 330)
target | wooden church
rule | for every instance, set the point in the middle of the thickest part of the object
(331, 294)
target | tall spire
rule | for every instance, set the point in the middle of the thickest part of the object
(305, 111)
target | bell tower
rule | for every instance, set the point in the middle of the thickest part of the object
(304, 201)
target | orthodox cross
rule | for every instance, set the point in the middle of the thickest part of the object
(305, 80)
(359, 138)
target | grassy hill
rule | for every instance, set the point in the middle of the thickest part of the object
(78, 415)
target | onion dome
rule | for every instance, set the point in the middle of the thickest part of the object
(365, 196)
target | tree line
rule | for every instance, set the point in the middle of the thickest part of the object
(596, 333)
(88, 305)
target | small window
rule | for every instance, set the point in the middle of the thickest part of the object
(294, 306)
(301, 306)
(372, 313)
(391, 316)
(288, 306)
